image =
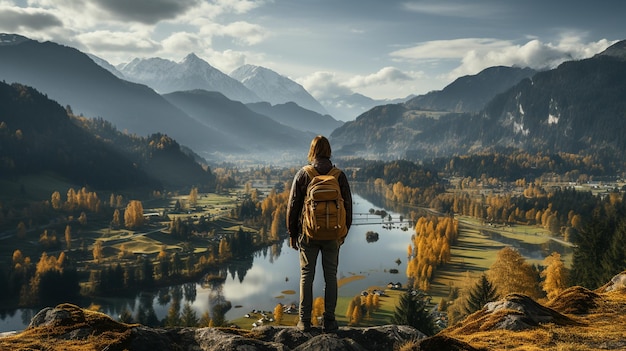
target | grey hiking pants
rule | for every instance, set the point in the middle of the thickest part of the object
(309, 250)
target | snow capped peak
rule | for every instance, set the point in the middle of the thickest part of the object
(275, 88)
(190, 73)
(192, 58)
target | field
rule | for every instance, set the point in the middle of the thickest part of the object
(475, 253)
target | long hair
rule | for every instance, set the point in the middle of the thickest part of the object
(320, 147)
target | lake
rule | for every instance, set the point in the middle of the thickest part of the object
(261, 281)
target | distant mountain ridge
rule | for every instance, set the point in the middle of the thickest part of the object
(291, 114)
(348, 107)
(191, 73)
(577, 107)
(239, 124)
(471, 93)
(275, 88)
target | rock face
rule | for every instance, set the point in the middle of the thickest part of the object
(67, 326)
(514, 312)
(617, 282)
(273, 338)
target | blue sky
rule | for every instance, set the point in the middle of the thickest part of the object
(382, 49)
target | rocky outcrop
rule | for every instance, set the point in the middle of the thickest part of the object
(70, 327)
(618, 282)
(514, 312)
(67, 326)
(273, 338)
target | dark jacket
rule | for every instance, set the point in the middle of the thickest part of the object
(298, 191)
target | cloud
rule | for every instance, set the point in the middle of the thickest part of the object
(16, 19)
(324, 85)
(449, 49)
(327, 85)
(228, 60)
(464, 9)
(184, 42)
(534, 54)
(244, 32)
(384, 76)
(116, 46)
(146, 11)
(476, 54)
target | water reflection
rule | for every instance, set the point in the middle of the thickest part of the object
(271, 275)
(265, 278)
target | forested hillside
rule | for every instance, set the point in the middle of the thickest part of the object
(37, 136)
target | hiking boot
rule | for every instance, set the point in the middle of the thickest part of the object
(304, 326)
(330, 326)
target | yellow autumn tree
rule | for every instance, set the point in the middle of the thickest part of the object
(193, 196)
(555, 275)
(510, 273)
(68, 237)
(55, 200)
(133, 215)
(357, 316)
(318, 310)
(278, 313)
(97, 251)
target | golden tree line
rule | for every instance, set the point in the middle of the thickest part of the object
(75, 200)
(32, 279)
(361, 307)
(503, 209)
(403, 194)
(430, 248)
(274, 213)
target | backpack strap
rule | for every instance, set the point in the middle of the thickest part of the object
(311, 171)
(335, 172)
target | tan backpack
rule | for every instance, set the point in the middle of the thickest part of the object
(324, 214)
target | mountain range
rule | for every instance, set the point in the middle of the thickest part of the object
(577, 107)
(573, 108)
(191, 73)
(72, 78)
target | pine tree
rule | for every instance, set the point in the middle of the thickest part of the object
(188, 316)
(205, 320)
(481, 293)
(591, 244)
(411, 311)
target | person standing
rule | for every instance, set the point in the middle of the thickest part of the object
(309, 248)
